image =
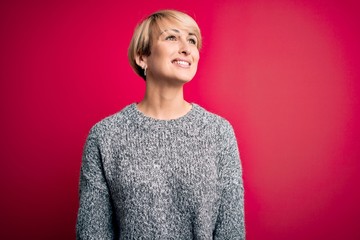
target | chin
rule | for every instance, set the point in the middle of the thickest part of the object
(185, 78)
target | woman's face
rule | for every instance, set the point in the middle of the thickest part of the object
(174, 54)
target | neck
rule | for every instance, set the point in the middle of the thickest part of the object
(163, 102)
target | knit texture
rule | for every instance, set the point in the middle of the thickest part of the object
(144, 178)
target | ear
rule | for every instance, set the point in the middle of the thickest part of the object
(141, 61)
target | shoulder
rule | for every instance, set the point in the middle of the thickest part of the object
(217, 129)
(213, 120)
(112, 123)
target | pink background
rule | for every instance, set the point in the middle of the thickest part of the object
(285, 73)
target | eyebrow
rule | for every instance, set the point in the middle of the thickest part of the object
(172, 29)
(177, 31)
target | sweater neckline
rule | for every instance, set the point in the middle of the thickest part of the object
(137, 116)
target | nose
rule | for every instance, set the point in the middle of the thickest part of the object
(184, 48)
(186, 51)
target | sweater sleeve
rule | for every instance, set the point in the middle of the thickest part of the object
(230, 223)
(95, 215)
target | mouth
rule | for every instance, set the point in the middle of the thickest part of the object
(181, 62)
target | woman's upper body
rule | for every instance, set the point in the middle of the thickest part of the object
(162, 168)
(144, 178)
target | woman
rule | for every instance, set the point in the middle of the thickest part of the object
(163, 168)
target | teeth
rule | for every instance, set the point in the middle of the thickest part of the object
(182, 63)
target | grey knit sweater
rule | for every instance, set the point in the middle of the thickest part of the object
(143, 178)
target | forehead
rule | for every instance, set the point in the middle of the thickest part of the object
(173, 26)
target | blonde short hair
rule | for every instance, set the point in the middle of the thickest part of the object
(140, 44)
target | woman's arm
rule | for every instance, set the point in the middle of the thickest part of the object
(230, 222)
(95, 215)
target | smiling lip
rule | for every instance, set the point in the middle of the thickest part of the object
(181, 62)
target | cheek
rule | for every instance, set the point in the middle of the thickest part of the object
(196, 58)
(196, 53)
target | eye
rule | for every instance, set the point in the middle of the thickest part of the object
(192, 41)
(170, 38)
